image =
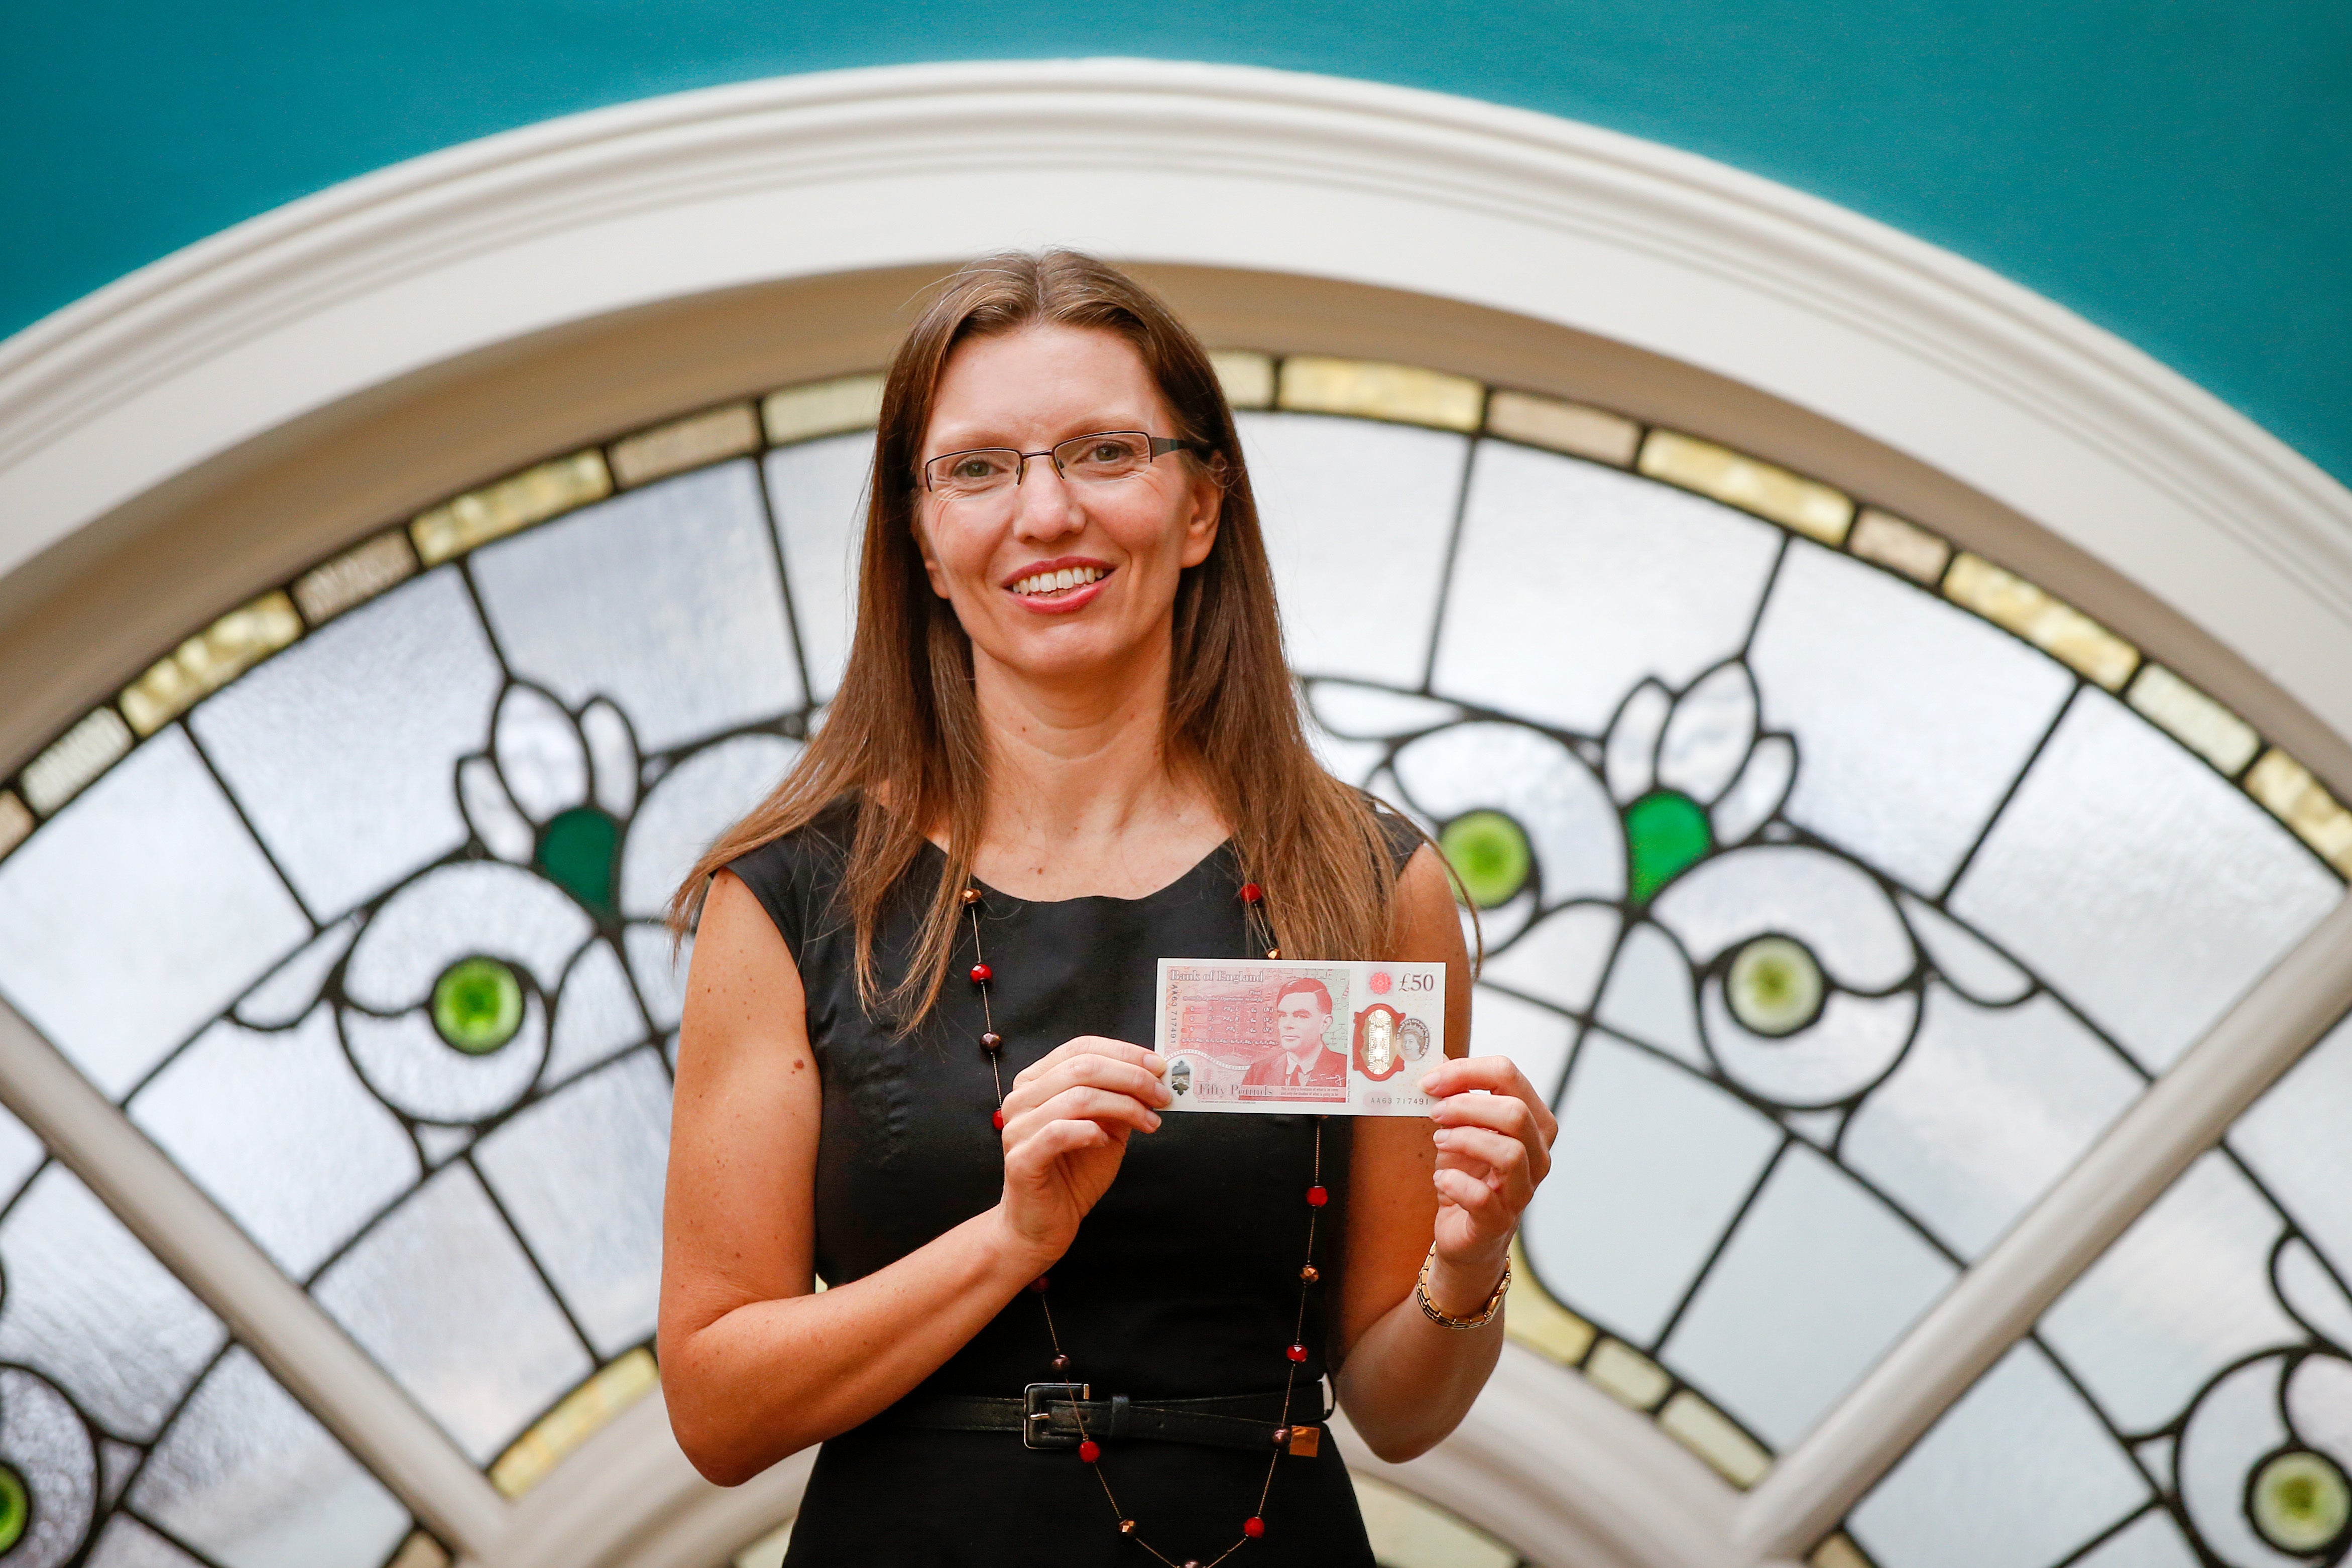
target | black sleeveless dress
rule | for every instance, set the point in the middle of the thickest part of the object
(1182, 1284)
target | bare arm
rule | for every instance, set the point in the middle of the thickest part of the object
(1405, 1381)
(755, 1364)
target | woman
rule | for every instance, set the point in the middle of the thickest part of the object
(1065, 745)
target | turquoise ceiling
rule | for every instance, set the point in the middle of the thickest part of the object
(2178, 171)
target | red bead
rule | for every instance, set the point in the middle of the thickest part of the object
(992, 1043)
(981, 973)
(1038, 1284)
(1252, 892)
(1089, 1450)
(1061, 1362)
(1317, 1197)
(996, 1119)
(1296, 1352)
(1253, 1527)
(1281, 1437)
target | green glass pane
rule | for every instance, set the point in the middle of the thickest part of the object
(1666, 834)
(2301, 1501)
(1774, 987)
(15, 1507)
(1489, 852)
(577, 851)
(478, 1005)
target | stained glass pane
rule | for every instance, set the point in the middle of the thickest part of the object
(339, 749)
(138, 913)
(2149, 891)
(693, 804)
(1357, 518)
(665, 599)
(818, 492)
(2297, 1140)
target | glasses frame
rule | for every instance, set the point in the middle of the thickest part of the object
(1161, 446)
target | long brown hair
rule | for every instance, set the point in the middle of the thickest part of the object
(903, 738)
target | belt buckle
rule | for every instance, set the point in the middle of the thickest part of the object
(1037, 1415)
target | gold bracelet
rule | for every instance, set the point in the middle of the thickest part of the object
(1430, 1310)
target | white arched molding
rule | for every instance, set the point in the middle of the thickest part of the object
(252, 329)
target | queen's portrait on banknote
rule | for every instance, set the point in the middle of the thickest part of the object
(1076, 1096)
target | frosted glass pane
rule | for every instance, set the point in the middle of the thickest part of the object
(1571, 825)
(664, 600)
(455, 910)
(127, 1544)
(442, 1295)
(2182, 1293)
(2017, 1475)
(1650, 1165)
(596, 1016)
(2298, 1139)
(818, 491)
(1560, 959)
(1357, 516)
(2152, 1540)
(251, 1479)
(87, 1308)
(1535, 1037)
(1572, 582)
(1649, 996)
(659, 970)
(278, 1129)
(1911, 715)
(706, 794)
(580, 1174)
(138, 913)
(342, 749)
(48, 1443)
(1818, 1281)
(2138, 882)
(1987, 1109)
(2235, 1426)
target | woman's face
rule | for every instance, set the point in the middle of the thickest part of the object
(998, 558)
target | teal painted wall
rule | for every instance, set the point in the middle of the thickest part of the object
(2176, 171)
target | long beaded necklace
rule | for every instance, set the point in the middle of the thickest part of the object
(1301, 1440)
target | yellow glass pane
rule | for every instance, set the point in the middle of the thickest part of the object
(2283, 785)
(684, 444)
(1807, 505)
(823, 408)
(1899, 543)
(74, 759)
(2049, 623)
(1408, 1532)
(1710, 1434)
(575, 1418)
(1531, 1317)
(16, 820)
(1407, 393)
(768, 1551)
(530, 497)
(354, 577)
(420, 1551)
(1558, 426)
(1247, 378)
(1626, 1374)
(209, 661)
(1837, 1551)
(2194, 719)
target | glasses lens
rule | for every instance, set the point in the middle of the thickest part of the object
(963, 474)
(1114, 455)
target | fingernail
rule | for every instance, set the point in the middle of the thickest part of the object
(1440, 1136)
(1155, 1122)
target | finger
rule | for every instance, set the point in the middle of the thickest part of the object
(1476, 1200)
(1497, 1075)
(1500, 1162)
(1097, 1072)
(1036, 1153)
(1085, 1105)
(1096, 1045)
(1505, 1117)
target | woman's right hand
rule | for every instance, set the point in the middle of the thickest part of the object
(1066, 1121)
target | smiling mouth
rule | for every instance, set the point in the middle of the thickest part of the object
(1052, 584)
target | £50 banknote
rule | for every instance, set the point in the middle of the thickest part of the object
(1266, 1035)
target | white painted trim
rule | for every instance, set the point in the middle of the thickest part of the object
(267, 1312)
(2000, 1298)
(1227, 166)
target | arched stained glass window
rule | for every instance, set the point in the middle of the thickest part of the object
(1841, 888)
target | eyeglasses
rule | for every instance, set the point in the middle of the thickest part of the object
(1097, 459)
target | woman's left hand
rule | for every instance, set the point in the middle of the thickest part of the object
(1493, 1149)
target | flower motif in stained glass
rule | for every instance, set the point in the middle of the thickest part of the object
(2262, 1460)
(1489, 852)
(553, 790)
(478, 1005)
(48, 1472)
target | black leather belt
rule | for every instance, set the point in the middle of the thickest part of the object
(1048, 1416)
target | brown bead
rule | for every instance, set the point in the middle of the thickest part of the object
(1309, 1273)
(1191, 1562)
(1274, 952)
(971, 895)
(1281, 1435)
(992, 1043)
(1126, 1527)
(1061, 1362)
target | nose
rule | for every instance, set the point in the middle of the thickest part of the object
(1044, 505)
